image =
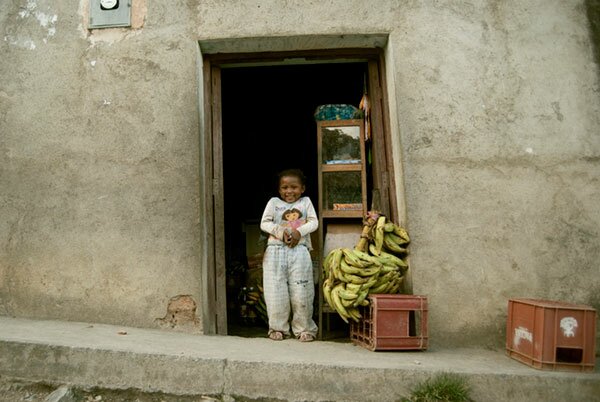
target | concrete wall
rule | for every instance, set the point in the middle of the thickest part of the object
(99, 165)
(495, 114)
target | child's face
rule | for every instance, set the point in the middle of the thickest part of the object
(290, 188)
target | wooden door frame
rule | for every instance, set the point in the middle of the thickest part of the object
(214, 287)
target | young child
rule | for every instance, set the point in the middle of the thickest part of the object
(287, 266)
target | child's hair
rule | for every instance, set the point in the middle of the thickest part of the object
(294, 173)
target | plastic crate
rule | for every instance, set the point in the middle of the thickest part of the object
(392, 322)
(551, 335)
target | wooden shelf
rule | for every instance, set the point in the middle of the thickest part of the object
(351, 137)
(341, 167)
(349, 213)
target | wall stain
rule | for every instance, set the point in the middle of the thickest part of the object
(592, 8)
(556, 108)
(181, 315)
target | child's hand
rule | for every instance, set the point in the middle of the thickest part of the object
(293, 239)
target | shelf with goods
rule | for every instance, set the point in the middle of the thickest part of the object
(342, 184)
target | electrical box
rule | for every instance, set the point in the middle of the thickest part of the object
(110, 13)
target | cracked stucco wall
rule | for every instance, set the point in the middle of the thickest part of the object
(99, 167)
(496, 118)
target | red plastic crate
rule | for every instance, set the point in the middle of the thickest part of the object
(392, 322)
(551, 335)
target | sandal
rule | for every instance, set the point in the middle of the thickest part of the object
(306, 337)
(276, 336)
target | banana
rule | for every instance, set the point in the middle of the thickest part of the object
(383, 279)
(379, 234)
(362, 244)
(335, 269)
(388, 268)
(397, 239)
(379, 289)
(391, 259)
(357, 279)
(371, 232)
(326, 268)
(327, 262)
(361, 297)
(337, 304)
(391, 285)
(336, 258)
(346, 303)
(390, 276)
(353, 270)
(389, 227)
(370, 271)
(390, 288)
(354, 314)
(371, 282)
(366, 257)
(393, 246)
(368, 224)
(333, 273)
(387, 288)
(347, 268)
(400, 282)
(332, 263)
(399, 231)
(327, 292)
(347, 295)
(373, 249)
(396, 286)
(353, 259)
(353, 287)
(351, 278)
(338, 274)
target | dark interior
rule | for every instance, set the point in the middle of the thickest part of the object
(268, 126)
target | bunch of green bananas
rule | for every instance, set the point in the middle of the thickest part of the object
(373, 266)
(385, 235)
(351, 275)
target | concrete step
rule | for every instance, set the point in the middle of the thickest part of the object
(102, 356)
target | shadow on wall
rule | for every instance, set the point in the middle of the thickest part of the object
(592, 8)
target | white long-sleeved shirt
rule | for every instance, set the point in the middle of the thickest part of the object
(278, 216)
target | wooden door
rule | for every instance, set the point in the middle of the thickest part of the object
(214, 307)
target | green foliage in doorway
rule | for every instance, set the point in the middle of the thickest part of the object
(446, 387)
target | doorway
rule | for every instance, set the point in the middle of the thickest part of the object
(258, 118)
(268, 125)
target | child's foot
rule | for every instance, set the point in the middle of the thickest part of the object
(276, 335)
(306, 337)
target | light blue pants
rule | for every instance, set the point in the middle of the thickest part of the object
(288, 282)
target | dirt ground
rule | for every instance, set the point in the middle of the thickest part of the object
(12, 390)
